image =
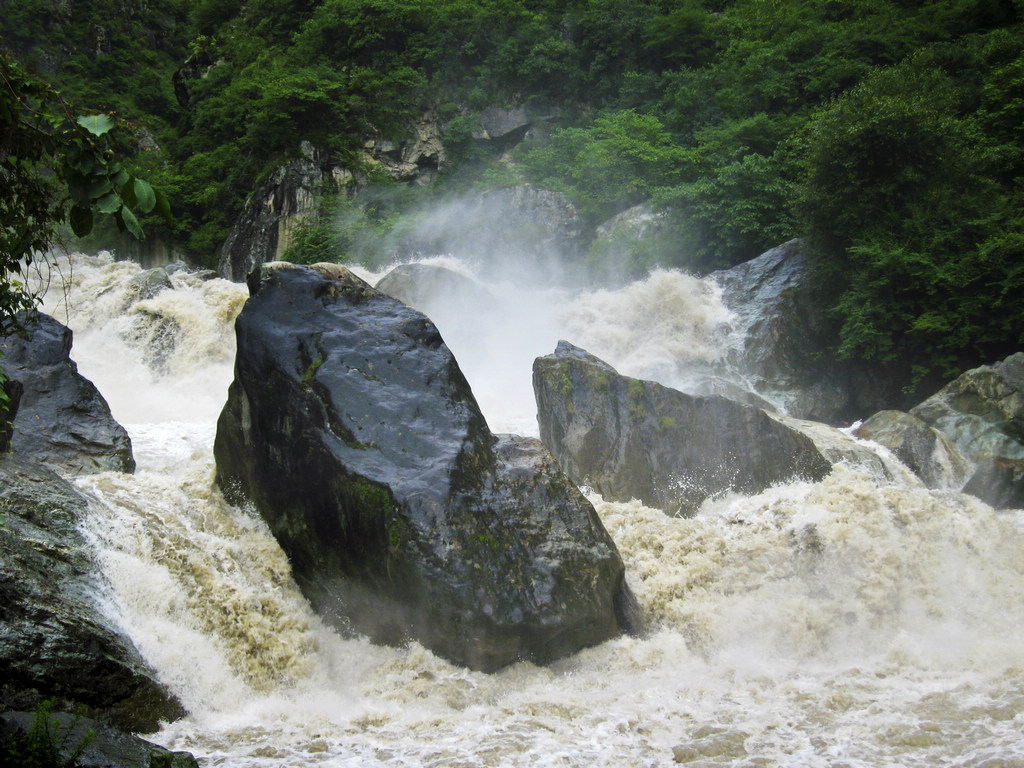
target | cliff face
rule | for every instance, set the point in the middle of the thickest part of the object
(265, 228)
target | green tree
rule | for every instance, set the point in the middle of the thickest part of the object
(919, 244)
(57, 168)
(621, 160)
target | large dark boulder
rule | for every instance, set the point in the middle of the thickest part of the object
(627, 438)
(351, 429)
(55, 639)
(63, 420)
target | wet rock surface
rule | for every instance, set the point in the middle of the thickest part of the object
(785, 331)
(97, 744)
(628, 438)
(55, 640)
(62, 420)
(923, 449)
(352, 431)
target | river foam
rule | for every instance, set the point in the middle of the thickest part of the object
(860, 621)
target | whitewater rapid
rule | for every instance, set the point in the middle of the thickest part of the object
(860, 621)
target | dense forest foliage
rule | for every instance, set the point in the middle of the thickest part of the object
(888, 132)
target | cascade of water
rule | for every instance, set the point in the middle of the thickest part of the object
(860, 621)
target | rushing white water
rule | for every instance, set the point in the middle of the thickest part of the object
(854, 622)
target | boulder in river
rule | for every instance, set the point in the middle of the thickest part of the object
(923, 449)
(56, 641)
(981, 412)
(428, 286)
(62, 420)
(628, 438)
(352, 431)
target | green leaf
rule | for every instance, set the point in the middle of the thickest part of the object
(97, 125)
(131, 223)
(109, 203)
(81, 220)
(144, 196)
(99, 187)
(164, 206)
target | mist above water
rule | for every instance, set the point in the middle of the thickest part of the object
(852, 622)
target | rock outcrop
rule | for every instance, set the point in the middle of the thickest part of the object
(263, 232)
(627, 438)
(350, 427)
(503, 127)
(55, 639)
(62, 419)
(418, 158)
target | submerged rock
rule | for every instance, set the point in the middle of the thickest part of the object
(425, 286)
(351, 429)
(63, 420)
(55, 639)
(627, 438)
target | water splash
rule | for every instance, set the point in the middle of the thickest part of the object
(860, 621)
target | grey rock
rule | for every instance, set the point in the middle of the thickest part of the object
(263, 232)
(418, 158)
(784, 341)
(55, 639)
(496, 123)
(149, 283)
(627, 438)
(97, 745)
(63, 420)
(981, 412)
(998, 482)
(426, 286)
(352, 431)
(923, 449)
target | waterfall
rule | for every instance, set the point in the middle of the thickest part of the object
(860, 621)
